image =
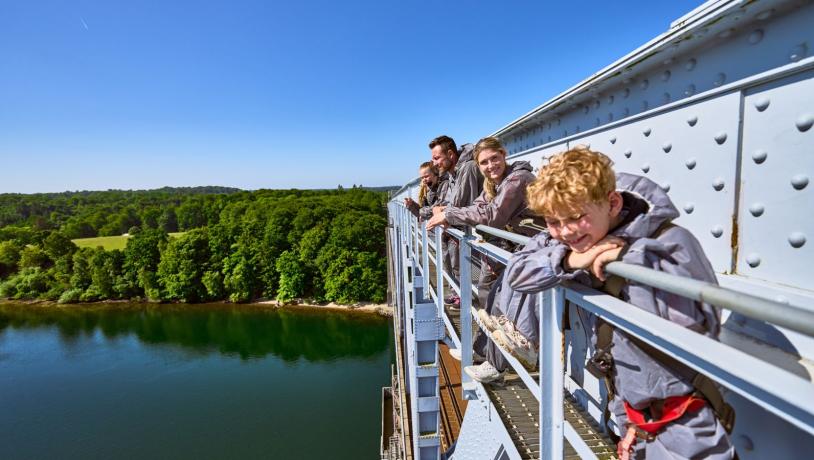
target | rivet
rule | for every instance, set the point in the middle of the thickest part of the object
(689, 208)
(798, 52)
(799, 182)
(757, 209)
(804, 122)
(667, 147)
(692, 120)
(667, 61)
(626, 111)
(725, 34)
(665, 98)
(665, 186)
(558, 122)
(626, 93)
(610, 117)
(690, 64)
(718, 184)
(762, 104)
(646, 132)
(764, 15)
(745, 443)
(610, 100)
(797, 239)
(690, 90)
(717, 231)
(665, 75)
(596, 104)
(781, 299)
(628, 153)
(645, 168)
(598, 121)
(753, 259)
(585, 109)
(720, 138)
(613, 140)
(690, 163)
(644, 84)
(627, 80)
(759, 156)
(645, 105)
(756, 36)
(720, 79)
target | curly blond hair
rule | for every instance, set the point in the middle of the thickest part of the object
(571, 180)
(489, 143)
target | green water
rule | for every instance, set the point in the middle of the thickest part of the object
(214, 381)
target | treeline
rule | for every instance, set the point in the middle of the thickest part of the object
(113, 212)
(240, 246)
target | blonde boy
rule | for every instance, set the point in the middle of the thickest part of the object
(595, 216)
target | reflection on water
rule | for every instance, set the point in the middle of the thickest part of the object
(249, 332)
(190, 381)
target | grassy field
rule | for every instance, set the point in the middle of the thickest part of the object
(109, 243)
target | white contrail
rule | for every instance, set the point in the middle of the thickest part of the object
(84, 24)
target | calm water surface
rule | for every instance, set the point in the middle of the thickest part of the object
(166, 381)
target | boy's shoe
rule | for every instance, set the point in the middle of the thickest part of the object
(492, 323)
(484, 373)
(456, 354)
(518, 346)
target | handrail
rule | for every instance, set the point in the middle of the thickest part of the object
(787, 316)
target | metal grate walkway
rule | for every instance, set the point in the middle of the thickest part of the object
(519, 410)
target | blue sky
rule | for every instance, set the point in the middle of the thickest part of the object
(266, 94)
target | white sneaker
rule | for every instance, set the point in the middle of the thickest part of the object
(484, 373)
(492, 323)
(518, 346)
(456, 354)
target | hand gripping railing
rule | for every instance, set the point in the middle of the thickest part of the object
(776, 390)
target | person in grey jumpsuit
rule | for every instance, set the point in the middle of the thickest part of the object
(502, 204)
(633, 225)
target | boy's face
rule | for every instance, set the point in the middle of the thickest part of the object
(582, 231)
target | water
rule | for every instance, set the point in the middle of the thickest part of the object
(215, 381)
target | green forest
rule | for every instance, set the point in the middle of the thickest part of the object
(320, 245)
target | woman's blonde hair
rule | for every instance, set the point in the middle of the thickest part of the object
(422, 189)
(489, 143)
(571, 180)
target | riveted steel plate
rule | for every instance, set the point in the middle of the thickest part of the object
(777, 207)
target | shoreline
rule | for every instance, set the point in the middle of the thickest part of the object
(360, 308)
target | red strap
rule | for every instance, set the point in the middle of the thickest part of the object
(674, 407)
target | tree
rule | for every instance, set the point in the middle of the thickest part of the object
(9, 257)
(57, 246)
(292, 278)
(168, 221)
(33, 257)
(182, 266)
(141, 258)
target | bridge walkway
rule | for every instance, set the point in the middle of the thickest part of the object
(517, 406)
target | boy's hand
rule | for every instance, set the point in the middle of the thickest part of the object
(578, 260)
(604, 258)
(437, 210)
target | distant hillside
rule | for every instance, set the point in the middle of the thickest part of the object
(200, 190)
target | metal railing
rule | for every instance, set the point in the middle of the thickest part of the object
(780, 392)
